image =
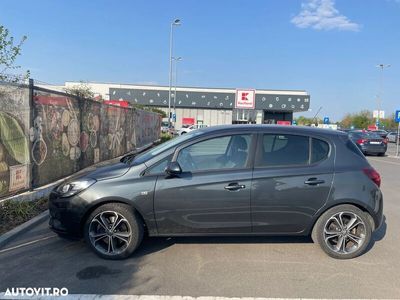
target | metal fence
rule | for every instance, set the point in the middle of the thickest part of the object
(46, 135)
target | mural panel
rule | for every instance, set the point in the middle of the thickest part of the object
(54, 135)
(14, 145)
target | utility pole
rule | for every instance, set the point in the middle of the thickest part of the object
(176, 59)
(176, 22)
(379, 99)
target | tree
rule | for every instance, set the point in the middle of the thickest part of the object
(9, 52)
(301, 120)
(362, 119)
(81, 90)
(152, 109)
(388, 123)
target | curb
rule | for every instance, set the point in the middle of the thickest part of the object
(24, 227)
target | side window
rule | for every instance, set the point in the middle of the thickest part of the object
(283, 150)
(227, 152)
(159, 167)
(319, 151)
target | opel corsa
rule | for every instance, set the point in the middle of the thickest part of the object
(227, 180)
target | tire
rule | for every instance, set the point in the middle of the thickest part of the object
(113, 243)
(381, 154)
(327, 232)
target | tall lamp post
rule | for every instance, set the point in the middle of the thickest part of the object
(176, 59)
(382, 67)
(176, 22)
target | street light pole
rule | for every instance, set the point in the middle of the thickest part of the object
(382, 67)
(176, 59)
(176, 22)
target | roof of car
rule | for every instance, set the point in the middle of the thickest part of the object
(280, 128)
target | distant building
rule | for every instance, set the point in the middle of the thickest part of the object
(210, 106)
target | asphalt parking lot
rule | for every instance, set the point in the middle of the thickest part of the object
(232, 267)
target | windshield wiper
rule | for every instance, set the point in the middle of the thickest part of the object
(127, 158)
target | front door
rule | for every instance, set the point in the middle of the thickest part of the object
(292, 179)
(212, 195)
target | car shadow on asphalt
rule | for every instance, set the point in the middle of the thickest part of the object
(378, 235)
(155, 244)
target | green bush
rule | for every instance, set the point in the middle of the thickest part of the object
(14, 213)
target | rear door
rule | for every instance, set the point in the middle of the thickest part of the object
(292, 179)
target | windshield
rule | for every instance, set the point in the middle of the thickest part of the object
(145, 156)
(374, 135)
(365, 135)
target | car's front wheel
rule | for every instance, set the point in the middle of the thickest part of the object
(113, 231)
(343, 232)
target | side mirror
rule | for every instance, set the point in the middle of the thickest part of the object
(173, 169)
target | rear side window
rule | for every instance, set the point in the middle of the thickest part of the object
(290, 150)
(319, 151)
(284, 150)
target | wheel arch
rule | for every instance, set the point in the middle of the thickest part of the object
(104, 201)
(357, 204)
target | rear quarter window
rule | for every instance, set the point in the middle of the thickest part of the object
(319, 150)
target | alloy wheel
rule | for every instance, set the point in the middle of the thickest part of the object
(344, 232)
(110, 232)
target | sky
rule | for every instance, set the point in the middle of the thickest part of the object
(328, 48)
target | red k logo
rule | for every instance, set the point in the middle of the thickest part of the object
(245, 99)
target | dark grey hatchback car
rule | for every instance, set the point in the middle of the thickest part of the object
(228, 180)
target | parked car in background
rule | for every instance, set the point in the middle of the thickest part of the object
(190, 128)
(168, 128)
(369, 142)
(228, 180)
(392, 137)
(381, 132)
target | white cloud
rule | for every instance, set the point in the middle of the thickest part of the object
(322, 15)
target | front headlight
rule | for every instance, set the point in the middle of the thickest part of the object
(71, 188)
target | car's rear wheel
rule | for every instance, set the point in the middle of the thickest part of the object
(343, 232)
(113, 231)
(381, 154)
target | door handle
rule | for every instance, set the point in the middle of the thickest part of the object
(234, 187)
(314, 181)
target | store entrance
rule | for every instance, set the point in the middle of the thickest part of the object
(244, 116)
(272, 117)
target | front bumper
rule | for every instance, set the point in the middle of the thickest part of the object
(65, 215)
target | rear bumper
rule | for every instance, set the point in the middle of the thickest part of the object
(373, 149)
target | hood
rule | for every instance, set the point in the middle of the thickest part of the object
(110, 171)
(102, 172)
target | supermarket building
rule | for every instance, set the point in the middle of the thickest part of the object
(210, 106)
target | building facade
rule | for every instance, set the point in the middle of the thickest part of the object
(210, 106)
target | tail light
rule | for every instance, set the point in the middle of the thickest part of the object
(361, 141)
(385, 140)
(373, 175)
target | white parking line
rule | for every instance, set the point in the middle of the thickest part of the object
(385, 161)
(143, 297)
(27, 244)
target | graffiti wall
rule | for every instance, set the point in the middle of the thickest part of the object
(47, 135)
